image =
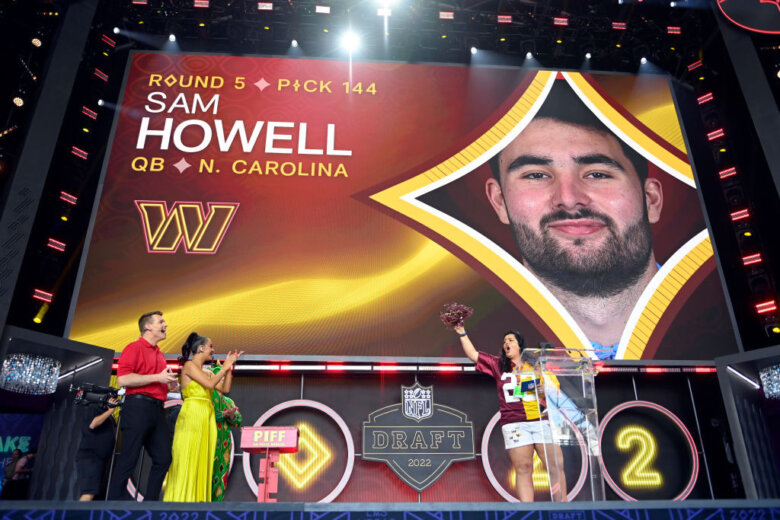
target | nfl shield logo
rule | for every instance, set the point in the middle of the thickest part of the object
(417, 401)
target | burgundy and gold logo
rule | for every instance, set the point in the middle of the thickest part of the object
(185, 224)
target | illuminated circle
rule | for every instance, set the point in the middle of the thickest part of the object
(500, 489)
(305, 403)
(677, 422)
(170, 403)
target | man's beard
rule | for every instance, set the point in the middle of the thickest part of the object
(615, 266)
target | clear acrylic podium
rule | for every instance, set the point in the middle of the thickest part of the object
(567, 387)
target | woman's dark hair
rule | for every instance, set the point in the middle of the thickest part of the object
(190, 347)
(564, 105)
(504, 363)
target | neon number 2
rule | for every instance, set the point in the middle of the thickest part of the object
(639, 473)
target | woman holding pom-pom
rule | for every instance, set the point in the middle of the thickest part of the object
(195, 437)
(519, 406)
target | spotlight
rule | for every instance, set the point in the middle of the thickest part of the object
(473, 50)
(116, 30)
(778, 73)
(767, 306)
(588, 55)
(101, 102)
(350, 41)
(172, 38)
(643, 60)
(67, 197)
(42, 295)
(294, 43)
(528, 55)
(36, 42)
(56, 245)
(18, 101)
(41, 313)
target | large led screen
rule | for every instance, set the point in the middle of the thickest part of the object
(299, 207)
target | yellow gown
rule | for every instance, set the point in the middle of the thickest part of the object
(194, 443)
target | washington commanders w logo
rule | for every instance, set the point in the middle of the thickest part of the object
(185, 223)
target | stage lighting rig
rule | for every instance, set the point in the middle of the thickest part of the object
(350, 41)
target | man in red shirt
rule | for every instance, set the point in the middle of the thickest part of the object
(145, 375)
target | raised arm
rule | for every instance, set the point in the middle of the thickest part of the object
(225, 385)
(207, 379)
(204, 379)
(465, 342)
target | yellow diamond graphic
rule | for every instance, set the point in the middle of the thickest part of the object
(170, 80)
(299, 468)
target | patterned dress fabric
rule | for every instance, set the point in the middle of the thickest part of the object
(224, 443)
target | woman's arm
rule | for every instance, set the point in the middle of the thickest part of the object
(468, 347)
(204, 379)
(237, 418)
(207, 379)
(225, 385)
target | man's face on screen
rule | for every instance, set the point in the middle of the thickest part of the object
(579, 213)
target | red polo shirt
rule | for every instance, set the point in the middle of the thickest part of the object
(141, 357)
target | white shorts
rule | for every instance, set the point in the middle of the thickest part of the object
(528, 432)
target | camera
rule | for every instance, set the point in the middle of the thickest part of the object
(88, 394)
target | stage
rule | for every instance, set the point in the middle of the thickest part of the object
(646, 510)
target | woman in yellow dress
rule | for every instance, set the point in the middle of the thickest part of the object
(195, 436)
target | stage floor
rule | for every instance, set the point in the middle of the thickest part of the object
(649, 510)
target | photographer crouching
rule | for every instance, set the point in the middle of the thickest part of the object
(98, 434)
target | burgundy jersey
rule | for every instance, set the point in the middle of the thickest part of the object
(515, 406)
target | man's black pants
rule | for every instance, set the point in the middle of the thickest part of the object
(143, 424)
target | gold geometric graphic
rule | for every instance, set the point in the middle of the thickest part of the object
(299, 468)
(404, 198)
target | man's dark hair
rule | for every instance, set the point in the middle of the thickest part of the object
(563, 105)
(146, 319)
(504, 363)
